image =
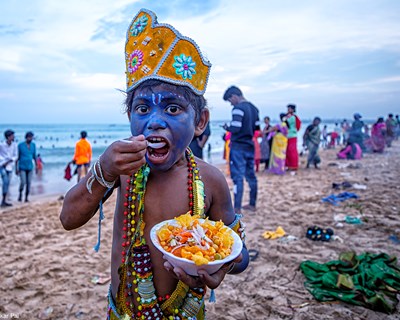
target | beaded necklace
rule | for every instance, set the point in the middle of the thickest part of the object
(136, 276)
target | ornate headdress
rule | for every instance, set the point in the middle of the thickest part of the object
(158, 51)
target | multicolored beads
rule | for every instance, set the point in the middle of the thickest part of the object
(136, 270)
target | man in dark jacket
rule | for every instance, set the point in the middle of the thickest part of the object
(245, 120)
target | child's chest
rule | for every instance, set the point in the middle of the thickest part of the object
(166, 199)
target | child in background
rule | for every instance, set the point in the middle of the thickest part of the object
(157, 178)
(257, 149)
(39, 165)
(333, 139)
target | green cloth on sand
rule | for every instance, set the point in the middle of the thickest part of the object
(369, 280)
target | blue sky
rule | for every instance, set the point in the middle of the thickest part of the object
(61, 61)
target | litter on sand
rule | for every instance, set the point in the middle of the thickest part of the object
(334, 199)
(368, 280)
(271, 235)
(100, 279)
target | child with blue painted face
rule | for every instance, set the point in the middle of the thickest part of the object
(157, 178)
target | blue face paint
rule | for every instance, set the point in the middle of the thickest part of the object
(166, 119)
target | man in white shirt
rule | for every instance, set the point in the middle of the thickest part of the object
(8, 155)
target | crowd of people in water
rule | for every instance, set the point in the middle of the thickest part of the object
(23, 160)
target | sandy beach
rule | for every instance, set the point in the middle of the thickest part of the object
(49, 273)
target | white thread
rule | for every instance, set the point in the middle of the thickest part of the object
(90, 181)
(231, 267)
(100, 180)
(105, 183)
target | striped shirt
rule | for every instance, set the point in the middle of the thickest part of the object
(245, 120)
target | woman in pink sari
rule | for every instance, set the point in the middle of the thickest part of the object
(352, 151)
(378, 135)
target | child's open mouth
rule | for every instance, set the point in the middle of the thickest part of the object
(157, 149)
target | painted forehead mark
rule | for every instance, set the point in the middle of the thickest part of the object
(156, 98)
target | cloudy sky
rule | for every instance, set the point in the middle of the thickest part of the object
(62, 61)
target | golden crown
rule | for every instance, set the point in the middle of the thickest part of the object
(158, 51)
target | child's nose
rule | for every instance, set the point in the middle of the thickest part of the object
(156, 122)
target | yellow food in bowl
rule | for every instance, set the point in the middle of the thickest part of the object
(198, 240)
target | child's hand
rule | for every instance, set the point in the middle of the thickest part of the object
(123, 157)
(204, 279)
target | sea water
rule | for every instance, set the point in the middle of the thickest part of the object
(56, 144)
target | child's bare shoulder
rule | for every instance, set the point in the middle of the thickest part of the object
(209, 172)
(218, 199)
(214, 180)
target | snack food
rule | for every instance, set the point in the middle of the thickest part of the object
(193, 243)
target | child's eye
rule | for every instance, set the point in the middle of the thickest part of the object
(141, 109)
(173, 109)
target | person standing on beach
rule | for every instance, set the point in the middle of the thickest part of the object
(325, 137)
(397, 131)
(257, 149)
(356, 135)
(378, 135)
(198, 143)
(338, 130)
(294, 124)
(311, 140)
(8, 156)
(266, 143)
(83, 155)
(25, 162)
(278, 135)
(157, 179)
(245, 121)
(227, 150)
(390, 130)
(345, 131)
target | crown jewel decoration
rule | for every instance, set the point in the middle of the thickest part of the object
(159, 51)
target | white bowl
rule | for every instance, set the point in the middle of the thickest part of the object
(188, 265)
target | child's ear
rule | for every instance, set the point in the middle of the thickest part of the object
(129, 115)
(201, 126)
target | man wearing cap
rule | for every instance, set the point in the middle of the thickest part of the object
(26, 160)
(356, 134)
(8, 155)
